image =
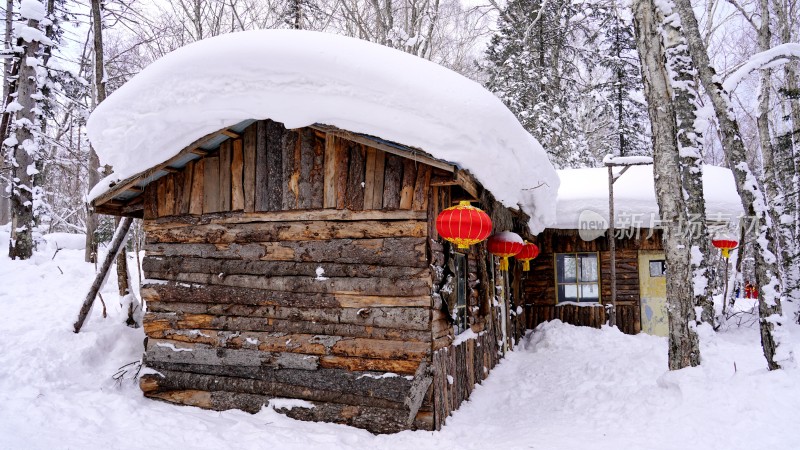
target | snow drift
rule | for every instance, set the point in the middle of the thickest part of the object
(301, 78)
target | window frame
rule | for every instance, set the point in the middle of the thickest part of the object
(461, 305)
(577, 283)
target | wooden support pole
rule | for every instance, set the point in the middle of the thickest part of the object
(611, 309)
(119, 239)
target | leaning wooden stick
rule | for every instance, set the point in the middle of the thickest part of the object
(119, 239)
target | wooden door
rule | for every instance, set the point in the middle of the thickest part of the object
(653, 292)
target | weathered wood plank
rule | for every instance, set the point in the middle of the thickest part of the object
(249, 167)
(330, 178)
(393, 179)
(161, 191)
(369, 177)
(276, 343)
(188, 181)
(367, 384)
(342, 172)
(225, 183)
(263, 164)
(196, 196)
(237, 176)
(283, 216)
(291, 170)
(407, 187)
(177, 352)
(211, 193)
(421, 187)
(151, 201)
(202, 293)
(279, 268)
(400, 318)
(316, 177)
(359, 394)
(378, 180)
(177, 191)
(390, 251)
(381, 349)
(355, 178)
(303, 165)
(287, 231)
(275, 185)
(158, 322)
(373, 419)
(357, 286)
(366, 364)
(169, 194)
(418, 390)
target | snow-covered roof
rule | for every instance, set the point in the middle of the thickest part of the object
(302, 78)
(584, 194)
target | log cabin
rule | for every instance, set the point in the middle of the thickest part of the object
(289, 212)
(570, 279)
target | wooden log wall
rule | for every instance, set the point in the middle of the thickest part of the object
(289, 264)
(539, 286)
(458, 368)
(270, 168)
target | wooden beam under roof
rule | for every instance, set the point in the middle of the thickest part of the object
(133, 180)
(416, 155)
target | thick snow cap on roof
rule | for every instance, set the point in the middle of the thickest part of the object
(583, 196)
(301, 78)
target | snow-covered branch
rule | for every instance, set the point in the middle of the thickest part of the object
(775, 56)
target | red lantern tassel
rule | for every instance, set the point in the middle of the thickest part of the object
(504, 263)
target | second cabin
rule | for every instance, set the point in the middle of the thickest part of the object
(571, 278)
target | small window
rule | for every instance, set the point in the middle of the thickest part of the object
(577, 277)
(460, 310)
(658, 268)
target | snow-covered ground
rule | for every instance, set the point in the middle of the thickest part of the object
(565, 388)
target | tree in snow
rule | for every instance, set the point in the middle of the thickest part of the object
(683, 349)
(24, 139)
(749, 188)
(570, 73)
(685, 97)
(616, 49)
(529, 65)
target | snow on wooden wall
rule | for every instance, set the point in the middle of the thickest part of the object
(296, 264)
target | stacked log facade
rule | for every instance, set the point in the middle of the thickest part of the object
(539, 288)
(300, 264)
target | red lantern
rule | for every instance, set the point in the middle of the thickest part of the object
(463, 225)
(726, 245)
(505, 244)
(529, 251)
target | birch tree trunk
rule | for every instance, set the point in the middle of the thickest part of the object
(690, 144)
(5, 204)
(773, 185)
(788, 149)
(753, 200)
(24, 153)
(684, 348)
